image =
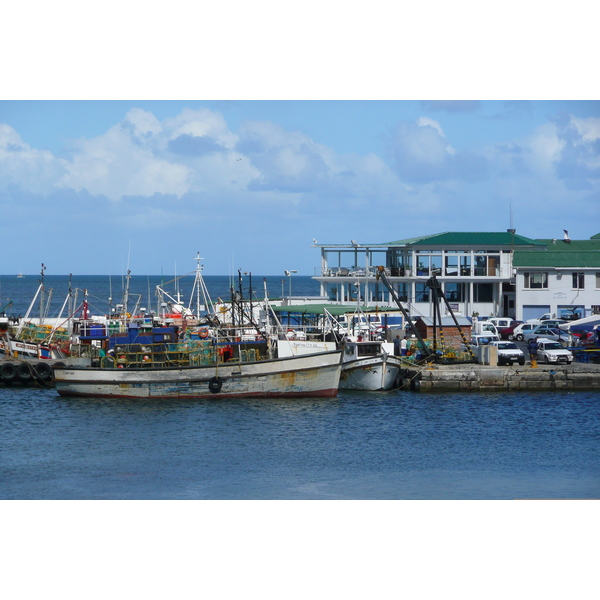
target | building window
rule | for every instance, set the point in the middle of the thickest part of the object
(578, 281)
(483, 292)
(534, 281)
(451, 265)
(428, 264)
(421, 292)
(454, 292)
(465, 266)
(597, 280)
(402, 290)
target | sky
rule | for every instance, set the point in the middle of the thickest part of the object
(248, 163)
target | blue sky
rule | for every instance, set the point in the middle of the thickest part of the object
(91, 183)
(91, 186)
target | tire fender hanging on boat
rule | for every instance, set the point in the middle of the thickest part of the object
(215, 385)
(8, 371)
(24, 371)
(43, 371)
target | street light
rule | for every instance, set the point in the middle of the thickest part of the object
(289, 274)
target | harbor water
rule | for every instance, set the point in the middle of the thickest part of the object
(357, 446)
(396, 445)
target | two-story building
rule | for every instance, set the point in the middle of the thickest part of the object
(481, 273)
(561, 277)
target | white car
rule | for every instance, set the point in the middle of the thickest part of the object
(509, 353)
(553, 352)
(522, 329)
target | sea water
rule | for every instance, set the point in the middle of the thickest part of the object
(359, 445)
(394, 445)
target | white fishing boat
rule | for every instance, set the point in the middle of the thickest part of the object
(367, 366)
(311, 375)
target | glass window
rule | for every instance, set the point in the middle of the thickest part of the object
(402, 289)
(465, 266)
(422, 265)
(421, 292)
(454, 292)
(535, 280)
(436, 264)
(452, 265)
(578, 281)
(483, 292)
(480, 266)
(597, 280)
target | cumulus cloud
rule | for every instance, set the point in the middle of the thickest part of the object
(422, 154)
(20, 164)
(195, 162)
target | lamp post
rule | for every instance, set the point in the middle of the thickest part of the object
(289, 274)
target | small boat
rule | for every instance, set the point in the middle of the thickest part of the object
(367, 366)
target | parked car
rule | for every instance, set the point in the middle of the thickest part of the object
(543, 318)
(521, 330)
(549, 333)
(554, 323)
(551, 351)
(484, 339)
(509, 353)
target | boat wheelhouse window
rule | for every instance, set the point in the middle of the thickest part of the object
(368, 350)
(535, 280)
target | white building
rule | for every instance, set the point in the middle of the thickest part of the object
(481, 273)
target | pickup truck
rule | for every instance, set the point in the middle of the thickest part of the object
(509, 353)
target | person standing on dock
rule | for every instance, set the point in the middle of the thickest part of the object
(532, 347)
(403, 346)
(397, 346)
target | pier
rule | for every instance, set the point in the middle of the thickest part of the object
(476, 377)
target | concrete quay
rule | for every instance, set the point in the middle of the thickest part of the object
(476, 377)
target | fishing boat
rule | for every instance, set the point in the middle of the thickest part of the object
(205, 371)
(367, 366)
(188, 355)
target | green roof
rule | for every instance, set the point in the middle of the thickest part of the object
(334, 309)
(557, 253)
(467, 239)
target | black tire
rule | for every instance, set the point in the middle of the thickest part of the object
(522, 361)
(547, 360)
(520, 337)
(43, 371)
(24, 372)
(8, 371)
(215, 385)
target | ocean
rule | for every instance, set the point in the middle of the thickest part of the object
(358, 446)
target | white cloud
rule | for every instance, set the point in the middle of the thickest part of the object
(21, 164)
